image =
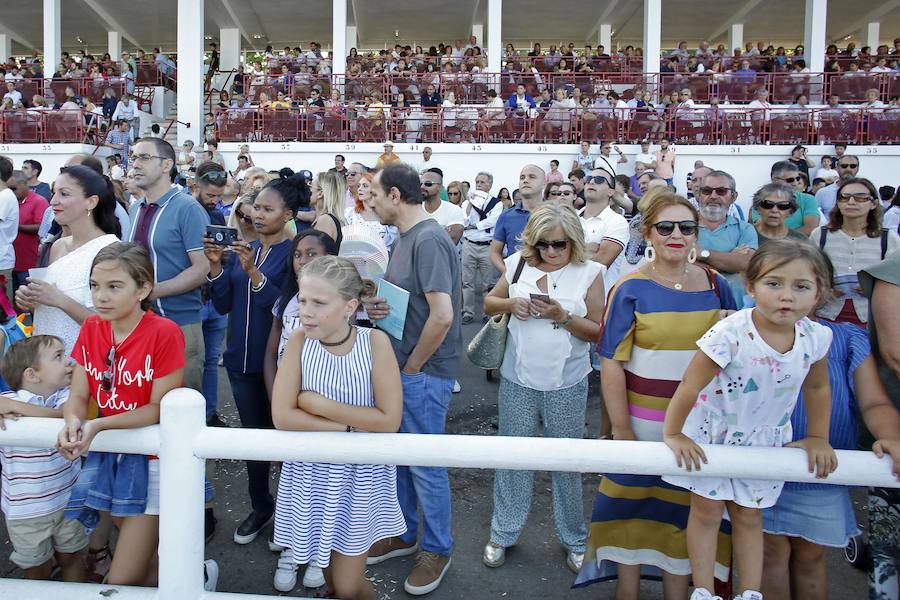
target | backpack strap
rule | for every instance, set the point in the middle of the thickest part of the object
(884, 243)
(823, 234)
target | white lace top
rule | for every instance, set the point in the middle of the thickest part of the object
(70, 273)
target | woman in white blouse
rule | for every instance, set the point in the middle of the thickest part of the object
(854, 239)
(554, 294)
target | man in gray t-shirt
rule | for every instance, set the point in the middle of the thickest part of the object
(424, 262)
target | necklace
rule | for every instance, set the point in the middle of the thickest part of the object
(676, 284)
(555, 282)
(334, 344)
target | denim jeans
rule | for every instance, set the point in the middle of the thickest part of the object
(425, 402)
(214, 326)
(252, 400)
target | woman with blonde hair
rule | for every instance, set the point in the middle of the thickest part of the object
(554, 294)
(241, 217)
(328, 197)
(454, 193)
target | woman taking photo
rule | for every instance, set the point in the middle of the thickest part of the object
(774, 203)
(554, 294)
(853, 239)
(246, 287)
(639, 523)
(328, 194)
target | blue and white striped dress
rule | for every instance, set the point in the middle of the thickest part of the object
(324, 507)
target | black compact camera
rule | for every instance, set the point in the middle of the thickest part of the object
(222, 236)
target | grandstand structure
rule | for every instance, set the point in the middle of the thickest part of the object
(725, 121)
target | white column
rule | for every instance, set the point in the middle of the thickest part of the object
(478, 32)
(190, 70)
(736, 37)
(339, 36)
(872, 35)
(494, 37)
(114, 47)
(352, 41)
(604, 37)
(5, 47)
(52, 36)
(652, 35)
(229, 49)
(814, 34)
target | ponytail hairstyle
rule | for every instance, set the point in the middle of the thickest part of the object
(95, 184)
(342, 274)
(290, 288)
(293, 190)
(134, 260)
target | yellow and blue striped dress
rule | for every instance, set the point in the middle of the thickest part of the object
(639, 519)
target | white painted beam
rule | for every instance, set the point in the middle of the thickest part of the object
(190, 70)
(495, 34)
(736, 37)
(5, 47)
(114, 45)
(52, 36)
(652, 35)
(815, 17)
(604, 37)
(111, 23)
(229, 48)
(738, 17)
(339, 36)
(872, 35)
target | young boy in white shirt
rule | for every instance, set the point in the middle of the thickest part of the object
(37, 481)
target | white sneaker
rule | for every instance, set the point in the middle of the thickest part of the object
(285, 578)
(456, 387)
(313, 577)
(749, 595)
(703, 594)
(210, 575)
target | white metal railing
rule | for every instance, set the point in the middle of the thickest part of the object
(183, 443)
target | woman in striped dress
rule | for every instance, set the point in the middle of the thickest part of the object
(654, 318)
(333, 513)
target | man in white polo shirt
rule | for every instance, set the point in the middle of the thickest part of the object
(448, 215)
(605, 230)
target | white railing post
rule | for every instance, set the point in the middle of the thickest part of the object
(181, 496)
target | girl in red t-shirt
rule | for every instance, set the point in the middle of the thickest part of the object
(127, 358)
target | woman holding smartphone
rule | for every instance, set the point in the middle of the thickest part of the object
(554, 294)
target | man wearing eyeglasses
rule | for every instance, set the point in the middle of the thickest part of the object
(806, 217)
(605, 231)
(171, 225)
(726, 243)
(847, 167)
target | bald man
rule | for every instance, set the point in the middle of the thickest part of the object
(511, 223)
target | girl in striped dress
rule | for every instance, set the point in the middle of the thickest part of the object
(333, 513)
(653, 319)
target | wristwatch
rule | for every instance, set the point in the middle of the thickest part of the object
(704, 254)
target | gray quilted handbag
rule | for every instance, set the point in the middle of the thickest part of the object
(488, 346)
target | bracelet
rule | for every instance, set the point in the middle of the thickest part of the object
(569, 317)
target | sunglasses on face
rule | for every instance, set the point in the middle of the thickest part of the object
(106, 380)
(790, 179)
(719, 191)
(215, 177)
(429, 183)
(666, 228)
(769, 205)
(848, 166)
(596, 179)
(453, 193)
(555, 244)
(242, 217)
(855, 196)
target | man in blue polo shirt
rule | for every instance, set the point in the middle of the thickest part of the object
(171, 225)
(726, 243)
(511, 223)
